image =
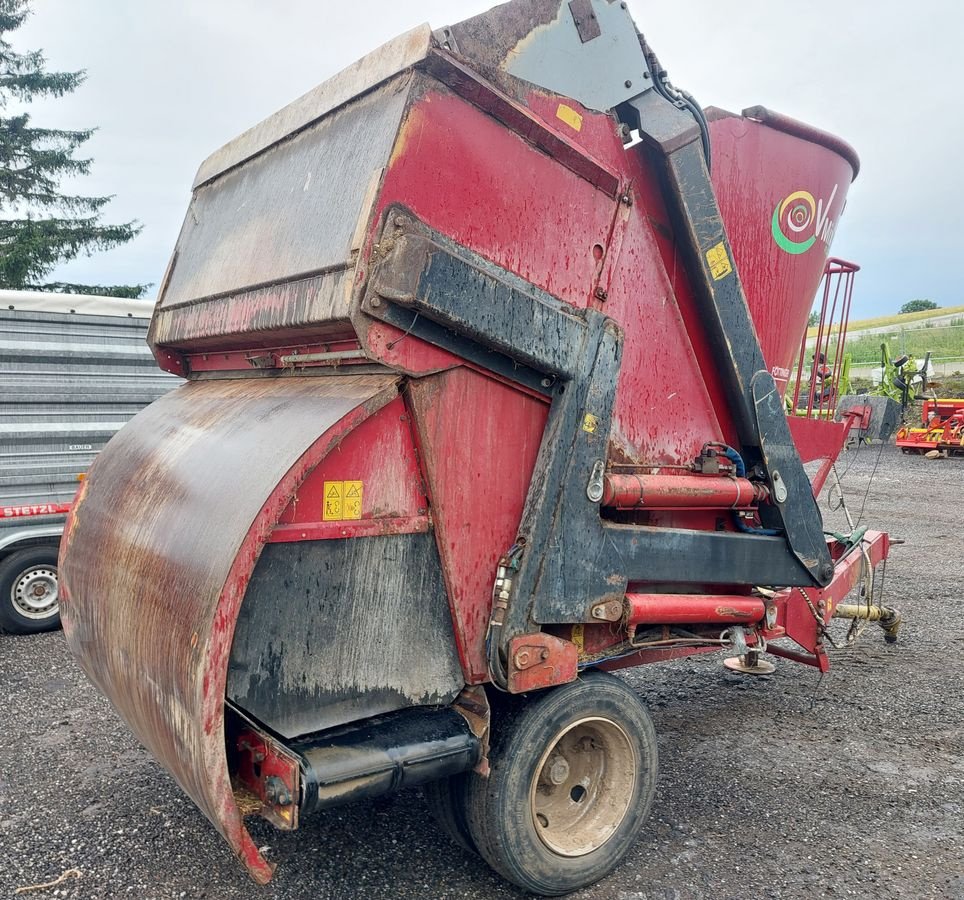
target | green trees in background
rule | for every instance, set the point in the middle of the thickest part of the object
(40, 227)
(912, 306)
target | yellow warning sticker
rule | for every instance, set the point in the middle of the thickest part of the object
(719, 260)
(353, 498)
(568, 115)
(590, 423)
(343, 500)
(579, 637)
(334, 500)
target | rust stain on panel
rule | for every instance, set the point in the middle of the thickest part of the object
(160, 550)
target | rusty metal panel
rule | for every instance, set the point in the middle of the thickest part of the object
(334, 631)
(378, 66)
(161, 544)
(259, 316)
(584, 18)
(290, 212)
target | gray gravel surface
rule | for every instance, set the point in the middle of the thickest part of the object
(783, 786)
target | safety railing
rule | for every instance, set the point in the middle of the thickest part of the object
(815, 397)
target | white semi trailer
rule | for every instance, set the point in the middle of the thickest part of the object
(73, 370)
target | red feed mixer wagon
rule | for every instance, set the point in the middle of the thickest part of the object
(486, 341)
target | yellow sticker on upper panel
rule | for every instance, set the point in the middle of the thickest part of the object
(568, 115)
(590, 423)
(719, 260)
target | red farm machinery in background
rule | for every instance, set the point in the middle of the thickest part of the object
(485, 400)
(941, 430)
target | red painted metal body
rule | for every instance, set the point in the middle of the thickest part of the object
(941, 408)
(312, 427)
(476, 493)
(803, 613)
(780, 218)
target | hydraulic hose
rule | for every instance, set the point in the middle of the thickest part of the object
(679, 98)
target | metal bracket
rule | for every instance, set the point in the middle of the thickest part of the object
(540, 660)
(594, 490)
(610, 611)
(587, 25)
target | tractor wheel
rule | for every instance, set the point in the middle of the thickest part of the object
(446, 802)
(572, 782)
(28, 591)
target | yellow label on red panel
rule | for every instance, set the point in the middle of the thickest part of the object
(568, 115)
(334, 500)
(579, 637)
(719, 260)
(353, 498)
(343, 500)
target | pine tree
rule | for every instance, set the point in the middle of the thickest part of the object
(39, 226)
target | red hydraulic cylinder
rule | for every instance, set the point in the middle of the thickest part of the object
(681, 492)
(693, 609)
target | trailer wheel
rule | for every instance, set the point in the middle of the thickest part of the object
(446, 801)
(572, 782)
(28, 591)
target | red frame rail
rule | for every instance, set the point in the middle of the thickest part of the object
(838, 287)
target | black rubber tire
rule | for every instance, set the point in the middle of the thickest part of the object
(498, 809)
(12, 569)
(446, 799)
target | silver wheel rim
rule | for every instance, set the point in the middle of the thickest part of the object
(34, 593)
(583, 786)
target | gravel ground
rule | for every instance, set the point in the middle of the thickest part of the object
(783, 786)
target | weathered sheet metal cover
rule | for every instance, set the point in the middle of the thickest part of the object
(270, 240)
(585, 49)
(374, 69)
(162, 542)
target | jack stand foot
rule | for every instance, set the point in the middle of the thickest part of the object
(749, 664)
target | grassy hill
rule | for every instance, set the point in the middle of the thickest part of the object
(943, 342)
(898, 320)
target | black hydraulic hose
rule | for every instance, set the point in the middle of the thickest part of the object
(501, 591)
(679, 98)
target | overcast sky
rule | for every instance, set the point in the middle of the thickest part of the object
(169, 81)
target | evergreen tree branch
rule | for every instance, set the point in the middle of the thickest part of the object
(33, 161)
(30, 248)
(127, 291)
